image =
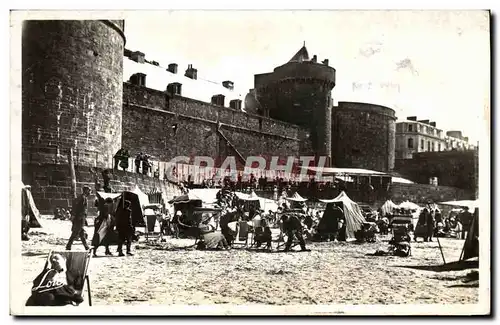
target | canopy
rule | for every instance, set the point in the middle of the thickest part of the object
(352, 213)
(407, 205)
(207, 195)
(104, 195)
(471, 204)
(296, 198)
(143, 197)
(388, 207)
(247, 197)
(186, 198)
(401, 180)
(345, 171)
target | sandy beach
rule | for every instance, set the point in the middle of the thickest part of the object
(173, 272)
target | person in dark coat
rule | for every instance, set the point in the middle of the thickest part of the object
(293, 228)
(80, 207)
(125, 228)
(429, 225)
(138, 161)
(465, 218)
(118, 157)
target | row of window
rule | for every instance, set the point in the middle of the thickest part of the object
(423, 129)
(430, 145)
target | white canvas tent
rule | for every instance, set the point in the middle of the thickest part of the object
(247, 197)
(207, 195)
(471, 204)
(407, 205)
(388, 207)
(265, 204)
(352, 213)
(296, 198)
(143, 197)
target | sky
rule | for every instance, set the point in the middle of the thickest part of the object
(431, 64)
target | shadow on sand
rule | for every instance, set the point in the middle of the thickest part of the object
(453, 266)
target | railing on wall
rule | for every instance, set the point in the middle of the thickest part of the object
(181, 172)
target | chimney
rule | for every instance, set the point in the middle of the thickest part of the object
(326, 61)
(174, 88)
(424, 121)
(191, 73)
(433, 124)
(314, 59)
(412, 118)
(172, 67)
(228, 84)
(235, 104)
(138, 79)
(218, 100)
(138, 56)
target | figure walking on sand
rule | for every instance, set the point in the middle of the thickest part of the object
(293, 228)
(80, 207)
(125, 228)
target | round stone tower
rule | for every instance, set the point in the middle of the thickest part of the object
(72, 88)
(364, 136)
(299, 92)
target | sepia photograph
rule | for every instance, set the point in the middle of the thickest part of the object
(250, 162)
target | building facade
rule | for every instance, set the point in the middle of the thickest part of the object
(413, 136)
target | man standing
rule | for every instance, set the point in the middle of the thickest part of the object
(430, 225)
(293, 228)
(125, 228)
(80, 207)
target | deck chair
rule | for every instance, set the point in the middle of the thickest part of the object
(150, 223)
(400, 238)
(242, 234)
(77, 263)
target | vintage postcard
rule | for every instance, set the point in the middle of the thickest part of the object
(250, 162)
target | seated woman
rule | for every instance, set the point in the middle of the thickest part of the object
(263, 235)
(54, 286)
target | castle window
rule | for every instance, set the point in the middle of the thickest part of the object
(428, 146)
(439, 146)
(422, 144)
(410, 143)
(433, 146)
(410, 127)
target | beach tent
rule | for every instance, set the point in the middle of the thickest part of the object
(471, 245)
(138, 200)
(187, 203)
(249, 201)
(207, 195)
(352, 213)
(407, 205)
(28, 207)
(296, 201)
(296, 198)
(471, 204)
(387, 208)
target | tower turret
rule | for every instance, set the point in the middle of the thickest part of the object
(299, 92)
(72, 90)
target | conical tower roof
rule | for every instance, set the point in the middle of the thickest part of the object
(301, 55)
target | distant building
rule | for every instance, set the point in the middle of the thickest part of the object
(413, 136)
(454, 140)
